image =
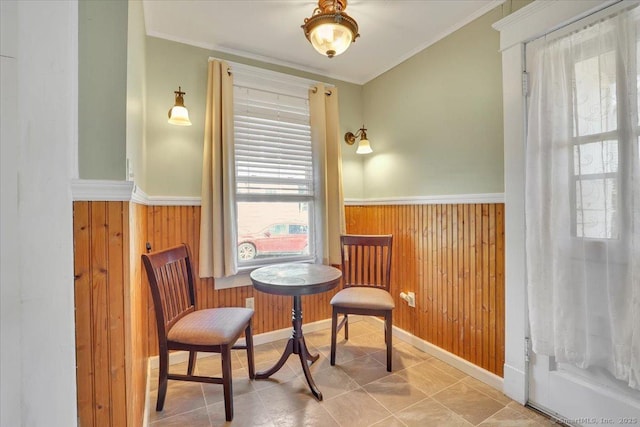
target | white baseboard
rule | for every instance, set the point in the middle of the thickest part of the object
(457, 362)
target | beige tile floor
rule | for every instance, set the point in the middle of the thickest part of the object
(358, 391)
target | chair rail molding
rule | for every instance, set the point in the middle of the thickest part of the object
(101, 190)
(123, 191)
(107, 190)
(442, 199)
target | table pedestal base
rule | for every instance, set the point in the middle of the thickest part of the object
(295, 345)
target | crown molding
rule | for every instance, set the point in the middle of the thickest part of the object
(254, 56)
(327, 73)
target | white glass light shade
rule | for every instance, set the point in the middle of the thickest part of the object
(179, 116)
(330, 39)
(364, 147)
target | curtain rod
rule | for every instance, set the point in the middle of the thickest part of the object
(315, 90)
(306, 81)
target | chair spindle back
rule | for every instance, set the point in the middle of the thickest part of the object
(366, 260)
(171, 280)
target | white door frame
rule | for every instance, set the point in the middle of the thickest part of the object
(526, 24)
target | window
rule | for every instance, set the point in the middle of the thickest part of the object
(598, 171)
(275, 168)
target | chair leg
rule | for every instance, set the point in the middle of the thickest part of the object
(388, 333)
(248, 336)
(346, 327)
(334, 325)
(192, 362)
(227, 382)
(162, 379)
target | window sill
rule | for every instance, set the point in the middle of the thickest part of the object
(237, 281)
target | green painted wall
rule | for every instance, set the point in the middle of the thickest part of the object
(102, 87)
(435, 121)
(174, 153)
(136, 94)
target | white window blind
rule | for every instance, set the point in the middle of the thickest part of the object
(272, 144)
(277, 175)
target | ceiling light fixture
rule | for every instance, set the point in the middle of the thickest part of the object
(178, 114)
(363, 146)
(329, 29)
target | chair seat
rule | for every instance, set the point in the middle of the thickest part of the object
(363, 297)
(214, 326)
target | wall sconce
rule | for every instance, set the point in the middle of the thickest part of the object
(363, 146)
(178, 114)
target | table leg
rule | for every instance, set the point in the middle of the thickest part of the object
(304, 356)
(308, 353)
(296, 345)
(288, 350)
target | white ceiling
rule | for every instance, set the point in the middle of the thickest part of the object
(391, 31)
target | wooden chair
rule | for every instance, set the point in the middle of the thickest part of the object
(366, 273)
(182, 327)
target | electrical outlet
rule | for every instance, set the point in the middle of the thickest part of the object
(248, 302)
(411, 299)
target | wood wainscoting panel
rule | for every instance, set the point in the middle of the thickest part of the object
(83, 313)
(101, 234)
(110, 313)
(138, 318)
(452, 257)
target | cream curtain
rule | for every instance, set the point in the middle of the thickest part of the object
(325, 137)
(217, 239)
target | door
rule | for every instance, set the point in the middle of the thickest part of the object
(600, 149)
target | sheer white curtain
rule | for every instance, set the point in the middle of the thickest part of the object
(583, 198)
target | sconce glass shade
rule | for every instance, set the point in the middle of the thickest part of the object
(329, 29)
(364, 147)
(178, 114)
